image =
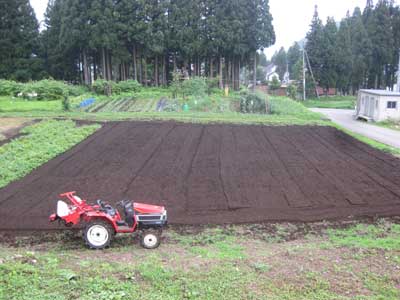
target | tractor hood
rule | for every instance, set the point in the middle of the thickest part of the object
(148, 208)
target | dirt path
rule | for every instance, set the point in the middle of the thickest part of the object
(214, 174)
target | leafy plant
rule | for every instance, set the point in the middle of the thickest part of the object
(9, 88)
(43, 141)
(253, 103)
(128, 86)
(66, 104)
(274, 84)
(103, 87)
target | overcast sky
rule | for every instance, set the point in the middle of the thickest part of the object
(292, 18)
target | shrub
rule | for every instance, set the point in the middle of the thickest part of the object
(212, 85)
(274, 84)
(9, 88)
(66, 104)
(252, 103)
(292, 91)
(195, 86)
(45, 90)
(176, 84)
(103, 87)
(128, 86)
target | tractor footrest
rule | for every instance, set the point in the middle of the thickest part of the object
(121, 223)
(124, 228)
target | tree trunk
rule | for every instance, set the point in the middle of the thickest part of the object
(211, 68)
(145, 71)
(221, 82)
(140, 69)
(175, 65)
(135, 75)
(103, 63)
(156, 77)
(85, 68)
(189, 68)
(94, 66)
(164, 71)
(255, 71)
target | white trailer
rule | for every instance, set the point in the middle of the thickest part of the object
(378, 105)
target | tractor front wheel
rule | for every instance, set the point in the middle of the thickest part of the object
(98, 234)
(150, 239)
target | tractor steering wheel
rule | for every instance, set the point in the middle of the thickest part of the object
(100, 203)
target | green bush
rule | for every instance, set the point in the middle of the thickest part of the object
(195, 86)
(39, 90)
(129, 86)
(103, 87)
(9, 88)
(108, 88)
(45, 90)
(212, 85)
(252, 103)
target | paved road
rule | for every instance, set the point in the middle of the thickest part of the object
(344, 117)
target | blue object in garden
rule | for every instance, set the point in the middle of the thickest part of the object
(161, 104)
(185, 107)
(86, 102)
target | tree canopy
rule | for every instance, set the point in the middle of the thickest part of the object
(361, 51)
(146, 40)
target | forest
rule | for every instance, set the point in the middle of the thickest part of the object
(360, 51)
(143, 40)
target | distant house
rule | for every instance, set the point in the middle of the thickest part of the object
(270, 71)
(328, 92)
(378, 105)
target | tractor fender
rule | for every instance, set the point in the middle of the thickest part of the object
(91, 216)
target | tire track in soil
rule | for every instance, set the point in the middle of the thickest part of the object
(205, 192)
(360, 153)
(148, 153)
(294, 193)
(190, 170)
(252, 170)
(374, 184)
(331, 187)
(162, 172)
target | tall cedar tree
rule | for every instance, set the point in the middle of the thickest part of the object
(315, 47)
(281, 62)
(344, 63)
(294, 55)
(140, 39)
(328, 74)
(19, 35)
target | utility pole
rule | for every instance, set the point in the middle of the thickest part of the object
(304, 76)
(398, 76)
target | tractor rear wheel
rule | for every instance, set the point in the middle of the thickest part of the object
(98, 234)
(150, 238)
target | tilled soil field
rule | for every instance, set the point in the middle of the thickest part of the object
(214, 174)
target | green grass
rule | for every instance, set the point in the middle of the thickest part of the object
(391, 124)
(342, 102)
(42, 142)
(381, 236)
(8, 104)
(213, 263)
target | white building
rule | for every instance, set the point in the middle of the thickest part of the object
(378, 105)
(270, 72)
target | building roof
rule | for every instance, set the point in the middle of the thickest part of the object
(381, 92)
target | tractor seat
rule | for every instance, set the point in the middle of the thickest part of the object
(129, 213)
(106, 208)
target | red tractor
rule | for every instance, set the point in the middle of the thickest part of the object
(102, 221)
